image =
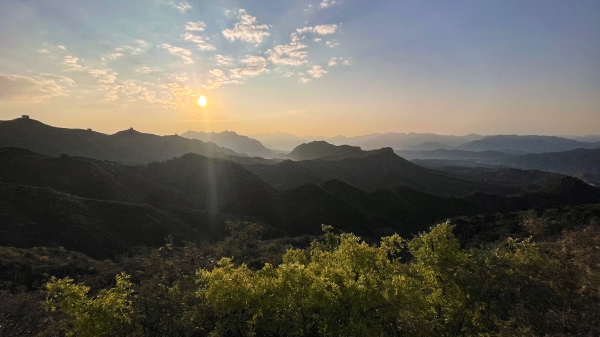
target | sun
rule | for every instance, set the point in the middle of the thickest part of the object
(202, 101)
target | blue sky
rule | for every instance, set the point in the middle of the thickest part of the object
(306, 67)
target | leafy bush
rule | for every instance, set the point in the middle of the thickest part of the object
(344, 286)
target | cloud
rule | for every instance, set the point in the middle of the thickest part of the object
(316, 72)
(332, 62)
(223, 60)
(319, 29)
(197, 26)
(289, 74)
(326, 4)
(114, 56)
(178, 93)
(254, 61)
(106, 77)
(217, 79)
(136, 48)
(103, 76)
(167, 95)
(297, 112)
(62, 47)
(304, 80)
(292, 54)
(332, 44)
(21, 88)
(182, 6)
(146, 70)
(346, 62)
(63, 79)
(181, 77)
(244, 72)
(72, 63)
(199, 41)
(246, 29)
(183, 53)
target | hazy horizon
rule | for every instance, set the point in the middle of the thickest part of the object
(315, 136)
(321, 67)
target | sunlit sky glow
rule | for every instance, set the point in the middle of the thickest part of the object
(319, 67)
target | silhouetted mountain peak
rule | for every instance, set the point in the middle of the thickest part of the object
(131, 132)
(323, 150)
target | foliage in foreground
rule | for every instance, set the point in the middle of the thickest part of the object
(428, 286)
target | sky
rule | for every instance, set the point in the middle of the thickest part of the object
(320, 67)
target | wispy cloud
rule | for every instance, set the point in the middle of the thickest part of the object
(254, 61)
(319, 29)
(114, 56)
(181, 6)
(296, 112)
(223, 60)
(180, 77)
(246, 29)
(146, 70)
(136, 47)
(179, 93)
(332, 43)
(332, 62)
(22, 88)
(197, 26)
(245, 72)
(326, 3)
(217, 79)
(72, 63)
(103, 76)
(292, 54)
(199, 41)
(316, 72)
(183, 53)
(62, 79)
(304, 80)
(254, 66)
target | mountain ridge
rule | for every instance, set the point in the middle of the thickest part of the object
(232, 140)
(129, 146)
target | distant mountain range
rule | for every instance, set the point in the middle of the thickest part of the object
(233, 141)
(525, 144)
(426, 141)
(286, 141)
(372, 170)
(578, 163)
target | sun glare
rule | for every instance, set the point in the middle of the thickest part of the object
(202, 101)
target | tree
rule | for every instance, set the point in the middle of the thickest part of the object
(109, 313)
